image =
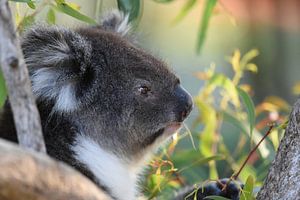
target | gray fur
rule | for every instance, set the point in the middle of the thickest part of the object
(88, 83)
(117, 22)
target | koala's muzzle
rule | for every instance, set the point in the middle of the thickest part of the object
(184, 103)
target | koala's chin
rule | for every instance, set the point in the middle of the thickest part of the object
(102, 100)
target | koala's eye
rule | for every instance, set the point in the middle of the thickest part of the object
(144, 90)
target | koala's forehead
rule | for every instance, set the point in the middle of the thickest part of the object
(124, 56)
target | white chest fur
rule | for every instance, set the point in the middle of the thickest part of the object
(110, 170)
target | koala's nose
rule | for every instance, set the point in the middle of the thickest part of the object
(184, 103)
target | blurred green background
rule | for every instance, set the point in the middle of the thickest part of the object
(219, 125)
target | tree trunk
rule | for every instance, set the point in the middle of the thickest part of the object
(26, 116)
(28, 175)
(283, 179)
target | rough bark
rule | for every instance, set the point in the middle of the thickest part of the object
(283, 179)
(28, 175)
(26, 116)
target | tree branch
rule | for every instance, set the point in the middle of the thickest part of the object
(26, 116)
(283, 179)
(29, 175)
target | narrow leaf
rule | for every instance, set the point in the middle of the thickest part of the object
(255, 137)
(163, 1)
(209, 120)
(234, 121)
(209, 6)
(75, 6)
(51, 16)
(249, 56)
(26, 22)
(249, 107)
(186, 8)
(3, 91)
(202, 161)
(235, 61)
(31, 4)
(130, 7)
(22, 1)
(60, 1)
(224, 82)
(248, 189)
(251, 67)
(65, 8)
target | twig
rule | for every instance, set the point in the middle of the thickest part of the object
(235, 176)
(25, 113)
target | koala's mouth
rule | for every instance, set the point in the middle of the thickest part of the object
(171, 128)
(166, 131)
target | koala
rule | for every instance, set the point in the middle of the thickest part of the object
(105, 103)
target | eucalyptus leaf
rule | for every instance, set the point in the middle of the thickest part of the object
(225, 83)
(249, 107)
(202, 161)
(3, 91)
(208, 9)
(248, 189)
(249, 56)
(209, 119)
(51, 16)
(186, 8)
(163, 1)
(234, 121)
(65, 8)
(255, 137)
(31, 4)
(130, 7)
(27, 21)
(23, 1)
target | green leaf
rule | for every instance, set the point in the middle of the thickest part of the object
(249, 107)
(60, 1)
(3, 91)
(65, 8)
(248, 189)
(163, 1)
(234, 121)
(201, 161)
(255, 137)
(31, 4)
(224, 82)
(209, 6)
(22, 1)
(186, 8)
(26, 22)
(51, 16)
(130, 7)
(216, 197)
(283, 125)
(209, 119)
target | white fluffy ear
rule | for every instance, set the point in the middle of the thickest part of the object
(116, 21)
(57, 58)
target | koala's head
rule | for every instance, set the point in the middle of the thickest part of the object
(110, 90)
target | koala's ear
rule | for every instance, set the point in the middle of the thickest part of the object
(116, 21)
(57, 59)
